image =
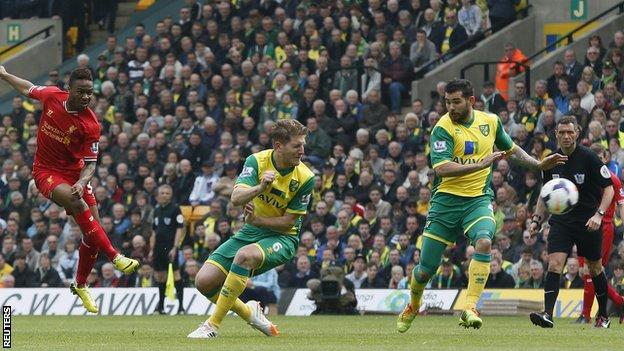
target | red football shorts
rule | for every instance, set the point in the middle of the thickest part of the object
(608, 231)
(48, 180)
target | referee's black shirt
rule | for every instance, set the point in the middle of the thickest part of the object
(590, 176)
(167, 219)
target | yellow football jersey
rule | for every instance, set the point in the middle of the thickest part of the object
(290, 191)
(467, 144)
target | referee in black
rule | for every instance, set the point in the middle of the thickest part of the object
(165, 244)
(580, 226)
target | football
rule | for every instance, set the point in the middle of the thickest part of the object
(560, 195)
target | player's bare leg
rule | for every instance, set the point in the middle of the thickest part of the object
(209, 281)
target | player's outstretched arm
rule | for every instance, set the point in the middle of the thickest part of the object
(21, 85)
(519, 156)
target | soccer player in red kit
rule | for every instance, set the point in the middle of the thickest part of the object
(607, 242)
(65, 161)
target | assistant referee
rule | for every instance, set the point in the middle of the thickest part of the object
(580, 226)
(165, 244)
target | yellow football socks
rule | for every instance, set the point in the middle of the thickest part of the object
(478, 272)
(416, 290)
(239, 307)
(233, 286)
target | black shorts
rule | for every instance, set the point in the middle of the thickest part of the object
(161, 259)
(588, 244)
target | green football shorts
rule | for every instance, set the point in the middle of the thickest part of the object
(276, 250)
(451, 214)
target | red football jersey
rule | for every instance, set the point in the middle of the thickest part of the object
(66, 139)
(618, 199)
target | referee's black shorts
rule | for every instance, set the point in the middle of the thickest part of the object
(161, 259)
(588, 244)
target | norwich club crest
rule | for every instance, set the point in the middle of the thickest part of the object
(485, 129)
(294, 184)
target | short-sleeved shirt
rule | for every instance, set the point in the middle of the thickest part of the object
(66, 139)
(590, 176)
(467, 143)
(290, 191)
(167, 219)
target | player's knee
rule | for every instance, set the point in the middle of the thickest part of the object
(203, 282)
(248, 256)
(422, 274)
(483, 245)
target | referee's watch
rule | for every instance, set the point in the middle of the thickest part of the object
(601, 212)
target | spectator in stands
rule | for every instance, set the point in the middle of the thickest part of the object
(24, 276)
(359, 275)
(318, 145)
(31, 255)
(374, 112)
(47, 275)
(573, 68)
(492, 100)
(501, 12)
(52, 250)
(202, 192)
(571, 279)
(67, 263)
(498, 278)
(373, 280)
(450, 35)
(536, 279)
(562, 100)
(303, 274)
(559, 71)
(447, 278)
(5, 268)
(511, 65)
(108, 279)
(470, 17)
(422, 50)
(592, 59)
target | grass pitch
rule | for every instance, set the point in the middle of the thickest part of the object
(305, 333)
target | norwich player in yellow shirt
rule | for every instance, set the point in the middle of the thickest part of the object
(462, 153)
(275, 188)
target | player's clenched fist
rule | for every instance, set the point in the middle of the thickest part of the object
(267, 178)
(2, 71)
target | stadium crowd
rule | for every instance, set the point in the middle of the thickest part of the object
(187, 105)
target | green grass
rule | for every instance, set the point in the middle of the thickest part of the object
(305, 333)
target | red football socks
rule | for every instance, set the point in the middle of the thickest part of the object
(588, 296)
(86, 261)
(93, 233)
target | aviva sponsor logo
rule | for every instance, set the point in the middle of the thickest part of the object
(270, 200)
(465, 161)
